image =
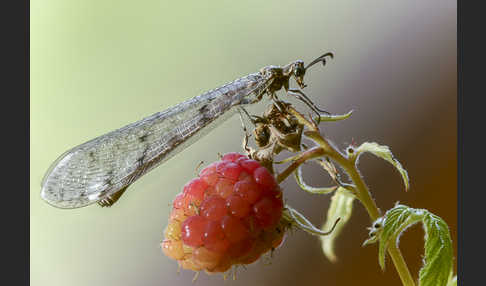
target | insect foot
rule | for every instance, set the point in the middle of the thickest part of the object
(230, 215)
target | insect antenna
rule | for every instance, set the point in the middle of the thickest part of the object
(320, 59)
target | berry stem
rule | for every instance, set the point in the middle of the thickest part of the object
(299, 160)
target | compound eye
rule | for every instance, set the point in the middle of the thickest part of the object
(299, 71)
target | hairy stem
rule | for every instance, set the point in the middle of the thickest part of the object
(361, 190)
(307, 155)
(364, 195)
(400, 265)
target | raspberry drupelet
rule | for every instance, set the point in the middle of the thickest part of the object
(227, 216)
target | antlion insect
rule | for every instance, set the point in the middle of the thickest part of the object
(101, 169)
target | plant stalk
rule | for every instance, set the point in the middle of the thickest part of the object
(364, 195)
(361, 190)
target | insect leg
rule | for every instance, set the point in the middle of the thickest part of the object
(305, 99)
(302, 97)
(197, 168)
(253, 118)
(247, 136)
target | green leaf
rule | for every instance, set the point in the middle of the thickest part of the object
(341, 207)
(438, 260)
(438, 252)
(395, 221)
(383, 152)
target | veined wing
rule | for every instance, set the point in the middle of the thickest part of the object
(100, 167)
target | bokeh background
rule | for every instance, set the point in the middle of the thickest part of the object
(97, 65)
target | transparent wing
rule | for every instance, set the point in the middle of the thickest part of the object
(98, 168)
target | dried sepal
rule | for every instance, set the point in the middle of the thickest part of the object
(341, 207)
(313, 190)
(298, 220)
(331, 169)
(334, 117)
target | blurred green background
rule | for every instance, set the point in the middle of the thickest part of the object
(99, 65)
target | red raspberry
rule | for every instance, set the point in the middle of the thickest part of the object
(213, 208)
(267, 211)
(250, 165)
(229, 215)
(214, 238)
(238, 206)
(234, 229)
(232, 157)
(248, 190)
(193, 230)
(263, 177)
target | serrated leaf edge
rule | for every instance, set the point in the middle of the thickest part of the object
(397, 220)
(385, 153)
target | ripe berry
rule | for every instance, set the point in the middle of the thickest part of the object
(266, 211)
(249, 165)
(230, 171)
(213, 208)
(193, 229)
(238, 206)
(248, 190)
(232, 157)
(234, 229)
(263, 177)
(229, 215)
(214, 238)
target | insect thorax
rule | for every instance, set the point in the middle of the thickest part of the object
(278, 77)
